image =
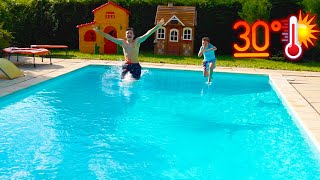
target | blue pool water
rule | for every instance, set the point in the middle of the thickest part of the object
(169, 125)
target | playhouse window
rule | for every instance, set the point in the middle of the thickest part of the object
(174, 34)
(90, 36)
(187, 34)
(110, 15)
(161, 33)
(174, 22)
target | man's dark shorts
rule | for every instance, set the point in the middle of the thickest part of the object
(134, 69)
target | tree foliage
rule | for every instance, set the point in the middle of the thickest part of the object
(313, 6)
(253, 10)
(55, 21)
(5, 37)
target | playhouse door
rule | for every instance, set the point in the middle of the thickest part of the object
(109, 46)
(173, 42)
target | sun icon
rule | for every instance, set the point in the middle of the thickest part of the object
(307, 30)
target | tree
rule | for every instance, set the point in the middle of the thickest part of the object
(5, 37)
(253, 10)
(313, 7)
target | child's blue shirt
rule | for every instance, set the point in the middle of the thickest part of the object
(209, 55)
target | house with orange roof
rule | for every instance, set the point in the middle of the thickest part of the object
(110, 18)
(176, 37)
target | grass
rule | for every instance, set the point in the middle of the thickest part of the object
(222, 61)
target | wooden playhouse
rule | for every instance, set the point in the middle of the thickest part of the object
(176, 37)
(110, 18)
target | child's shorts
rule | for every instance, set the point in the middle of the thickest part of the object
(134, 69)
(205, 64)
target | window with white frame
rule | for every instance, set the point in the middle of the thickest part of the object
(187, 34)
(174, 34)
(161, 34)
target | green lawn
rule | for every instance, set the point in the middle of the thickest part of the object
(222, 61)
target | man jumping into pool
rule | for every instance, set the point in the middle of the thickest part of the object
(131, 49)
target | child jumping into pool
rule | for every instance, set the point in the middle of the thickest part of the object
(209, 58)
(131, 49)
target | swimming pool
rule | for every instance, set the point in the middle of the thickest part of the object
(168, 125)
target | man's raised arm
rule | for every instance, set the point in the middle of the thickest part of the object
(108, 36)
(151, 31)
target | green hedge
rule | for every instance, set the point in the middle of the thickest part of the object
(54, 22)
(44, 21)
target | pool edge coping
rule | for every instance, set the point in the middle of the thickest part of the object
(296, 106)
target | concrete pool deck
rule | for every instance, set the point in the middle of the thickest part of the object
(299, 89)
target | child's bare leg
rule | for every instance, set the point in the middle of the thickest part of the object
(212, 66)
(205, 73)
(205, 68)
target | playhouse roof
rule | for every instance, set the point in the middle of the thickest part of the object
(111, 3)
(186, 14)
(86, 24)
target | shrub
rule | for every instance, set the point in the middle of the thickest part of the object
(5, 37)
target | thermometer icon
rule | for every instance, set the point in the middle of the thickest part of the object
(293, 49)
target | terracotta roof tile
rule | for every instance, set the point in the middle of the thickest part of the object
(110, 3)
(86, 24)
